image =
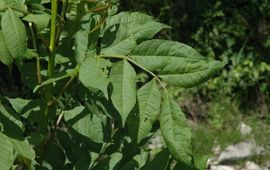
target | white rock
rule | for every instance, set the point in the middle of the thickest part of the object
(245, 129)
(239, 151)
(212, 161)
(267, 164)
(251, 166)
(221, 167)
(156, 143)
(216, 150)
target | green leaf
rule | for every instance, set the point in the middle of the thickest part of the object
(149, 98)
(127, 18)
(160, 162)
(175, 131)
(18, 104)
(41, 20)
(137, 162)
(23, 148)
(75, 9)
(176, 63)
(15, 35)
(17, 4)
(81, 45)
(200, 161)
(86, 40)
(118, 41)
(75, 152)
(86, 123)
(145, 30)
(124, 30)
(5, 56)
(94, 74)
(12, 127)
(6, 156)
(139, 25)
(110, 163)
(26, 107)
(123, 79)
(11, 121)
(54, 156)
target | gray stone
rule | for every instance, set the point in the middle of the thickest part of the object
(221, 167)
(212, 161)
(244, 129)
(239, 151)
(266, 165)
(251, 166)
(216, 150)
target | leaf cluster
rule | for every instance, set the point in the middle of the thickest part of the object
(83, 106)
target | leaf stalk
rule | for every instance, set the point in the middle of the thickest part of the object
(136, 64)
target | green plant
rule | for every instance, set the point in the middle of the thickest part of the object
(70, 98)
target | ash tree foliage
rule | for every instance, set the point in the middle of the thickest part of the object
(80, 103)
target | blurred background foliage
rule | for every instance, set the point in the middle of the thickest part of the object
(235, 31)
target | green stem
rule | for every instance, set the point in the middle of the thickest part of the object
(50, 68)
(39, 78)
(54, 4)
(136, 64)
(52, 38)
(99, 156)
(100, 9)
(61, 19)
(100, 24)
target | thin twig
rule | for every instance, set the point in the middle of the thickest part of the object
(100, 9)
(61, 20)
(100, 24)
(39, 78)
(65, 87)
(148, 71)
(59, 119)
(101, 154)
